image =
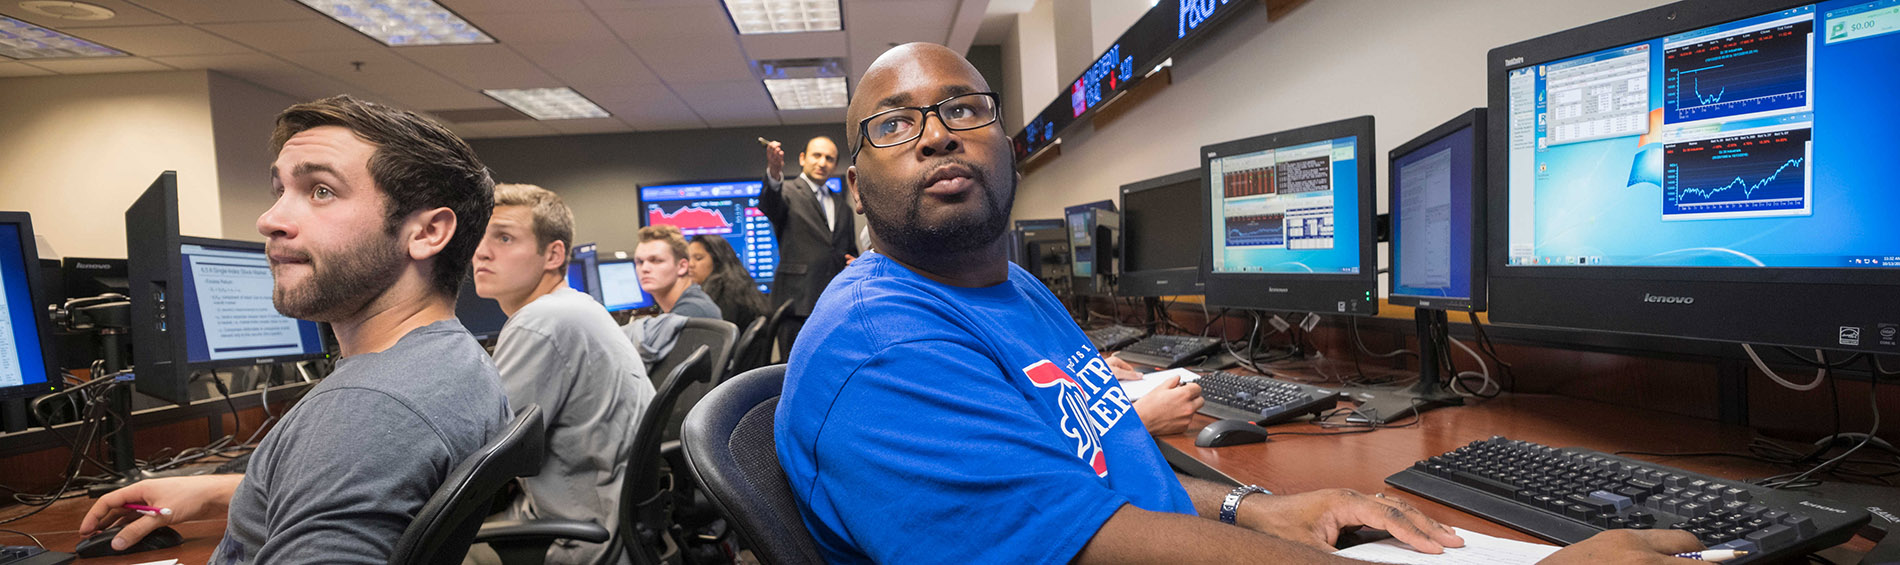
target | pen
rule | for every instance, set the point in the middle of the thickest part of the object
(764, 143)
(1713, 555)
(148, 510)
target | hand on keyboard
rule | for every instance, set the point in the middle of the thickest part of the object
(1628, 546)
(1316, 518)
(1169, 407)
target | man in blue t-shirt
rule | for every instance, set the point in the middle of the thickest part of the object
(941, 407)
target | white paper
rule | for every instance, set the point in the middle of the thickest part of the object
(163, 562)
(1479, 549)
(1150, 381)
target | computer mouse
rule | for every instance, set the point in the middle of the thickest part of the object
(1230, 432)
(100, 544)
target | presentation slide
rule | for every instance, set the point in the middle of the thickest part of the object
(235, 319)
(10, 372)
(1425, 221)
(22, 361)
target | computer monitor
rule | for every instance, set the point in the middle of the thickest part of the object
(200, 303)
(620, 286)
(1046, 253)
(727, 208)
(481, 316)
(586, 258)
(230, 320)
(27, 365)
(1711, 169)
(1161, 245)
(1081, 221)
(1291, 220)
(1437, 191)
(83, 277)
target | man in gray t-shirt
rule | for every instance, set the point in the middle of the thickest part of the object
(562, 351)
(663, 266)
(379, 254)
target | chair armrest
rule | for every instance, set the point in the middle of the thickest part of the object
(514, 531)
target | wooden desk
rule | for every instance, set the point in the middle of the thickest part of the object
(58, 528)
(1361, 462)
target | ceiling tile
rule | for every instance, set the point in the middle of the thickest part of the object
(543, 27)
(518, 128)
(227, 63)
(647, 107)
(679, 60)
(588, 125)
(341, 64)
(301, 84)
(795, 45)
(457, 98)
(589, 63)
(219, 11)
(82, 66)
(700, 19)
(161, 41)
(899, 14)
(482, 66)
(466, 7)
(21, 70)
(723, 104)
(124, 14)
(291, 37)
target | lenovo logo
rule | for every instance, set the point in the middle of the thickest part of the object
(91, 266)
(1647, 297)
(1513, 61)
(1277, 290)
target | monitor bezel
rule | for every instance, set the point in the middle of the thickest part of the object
(1617, 299)
(37, 294)
(1348, 294)
(183, 337)
(1473, 119)
(1178, 281)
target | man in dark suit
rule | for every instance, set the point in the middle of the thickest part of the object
(815, 235)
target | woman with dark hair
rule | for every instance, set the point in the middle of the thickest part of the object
(717, 269)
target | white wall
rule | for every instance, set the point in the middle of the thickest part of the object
(76, 150)
(1110, 18)
(242, 117)
(1029, 65)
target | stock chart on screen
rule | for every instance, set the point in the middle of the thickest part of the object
(729, 209)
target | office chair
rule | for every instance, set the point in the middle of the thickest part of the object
(718, 337)
(446, 525)
(745, 352)
(771, 330)
(729, 447)
(646, 502)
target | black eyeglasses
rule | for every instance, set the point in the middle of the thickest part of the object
(898, 126)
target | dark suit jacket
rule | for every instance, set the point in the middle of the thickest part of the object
(809, 255)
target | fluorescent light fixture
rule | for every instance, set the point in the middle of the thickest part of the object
(784, 16)
(402, 23)
(808, 93)
(21, 40)
(548, 103)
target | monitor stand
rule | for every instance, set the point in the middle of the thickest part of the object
(1432, 389)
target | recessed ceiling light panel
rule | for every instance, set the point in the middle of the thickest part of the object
(21, 40)
(808, 93)
(402, 23)
(68, 10)
(784, 16)
(548, 103)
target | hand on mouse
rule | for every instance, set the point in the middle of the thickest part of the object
(189, 498)
(1169, 407)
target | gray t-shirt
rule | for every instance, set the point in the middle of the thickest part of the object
(348, 468)
(563, 352)
(695, 303)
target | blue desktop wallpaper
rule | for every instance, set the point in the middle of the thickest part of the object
(1720, 177)
(21, 308)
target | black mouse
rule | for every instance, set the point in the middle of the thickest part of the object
(100, 544)
(1230, 432)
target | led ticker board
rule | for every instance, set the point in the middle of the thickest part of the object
(1166, 27)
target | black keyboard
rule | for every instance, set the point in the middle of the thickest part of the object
(1567, 495)
(1113, 337)
(1168, 351)
(31, 555)
(1261, 400)
(236, 465)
